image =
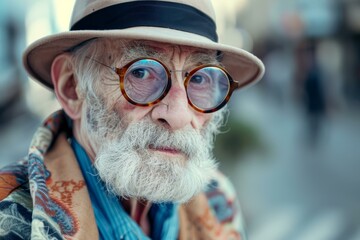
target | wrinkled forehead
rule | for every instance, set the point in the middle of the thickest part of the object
(122, 51)
(167, 51)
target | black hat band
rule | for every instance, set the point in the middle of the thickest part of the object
(150, 13)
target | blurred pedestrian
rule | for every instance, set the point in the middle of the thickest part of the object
(313, 91)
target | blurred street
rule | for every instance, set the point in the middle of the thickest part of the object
(297, 191)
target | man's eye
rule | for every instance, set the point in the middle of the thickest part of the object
(140, 73)
(197, 79)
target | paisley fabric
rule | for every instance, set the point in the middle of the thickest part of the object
(45, 196)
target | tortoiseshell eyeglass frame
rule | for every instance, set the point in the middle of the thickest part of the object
(122, 71)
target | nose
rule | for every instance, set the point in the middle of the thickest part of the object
(173, 111)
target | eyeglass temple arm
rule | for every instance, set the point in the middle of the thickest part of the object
(97, 61)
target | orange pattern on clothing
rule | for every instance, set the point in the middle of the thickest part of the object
(64, 190)
(7, 184)
(69, 212)
(210, 223)
(206, 226)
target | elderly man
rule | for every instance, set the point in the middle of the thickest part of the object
(142, 85)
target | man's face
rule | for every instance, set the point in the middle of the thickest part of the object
(158, 153)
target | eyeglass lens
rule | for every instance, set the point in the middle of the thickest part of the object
(208, 87)
(146, 80)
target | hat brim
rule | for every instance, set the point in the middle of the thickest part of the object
(244, 67)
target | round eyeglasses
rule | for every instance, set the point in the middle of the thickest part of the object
(146, 81)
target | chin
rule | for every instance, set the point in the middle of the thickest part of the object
(155, 177)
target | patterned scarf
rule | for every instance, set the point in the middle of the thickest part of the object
(46, 197)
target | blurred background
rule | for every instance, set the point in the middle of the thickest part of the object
(292, 142)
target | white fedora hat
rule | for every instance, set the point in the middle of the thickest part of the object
(180, 22)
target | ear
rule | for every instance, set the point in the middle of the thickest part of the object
(62, 74)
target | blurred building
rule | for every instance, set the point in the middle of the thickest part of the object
(12, 38)
(307, 111)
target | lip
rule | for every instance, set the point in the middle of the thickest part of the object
(165, 149)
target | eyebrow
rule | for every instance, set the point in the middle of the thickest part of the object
(137, 49)
(202, 57)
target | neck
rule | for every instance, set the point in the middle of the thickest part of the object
(138, 211)
(84, 140)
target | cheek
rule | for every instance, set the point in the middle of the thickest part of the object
(130, 112)
(128, 106)
(201, 120)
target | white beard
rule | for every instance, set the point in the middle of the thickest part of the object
(130, 169)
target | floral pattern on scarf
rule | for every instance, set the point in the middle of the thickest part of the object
(49, 199)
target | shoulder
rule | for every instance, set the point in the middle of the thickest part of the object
(213, 214)
(15, 221)
(16, 214)
(220, 185)
(224, 203)
(12, 177)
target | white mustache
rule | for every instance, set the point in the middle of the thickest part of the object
(155, 136)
